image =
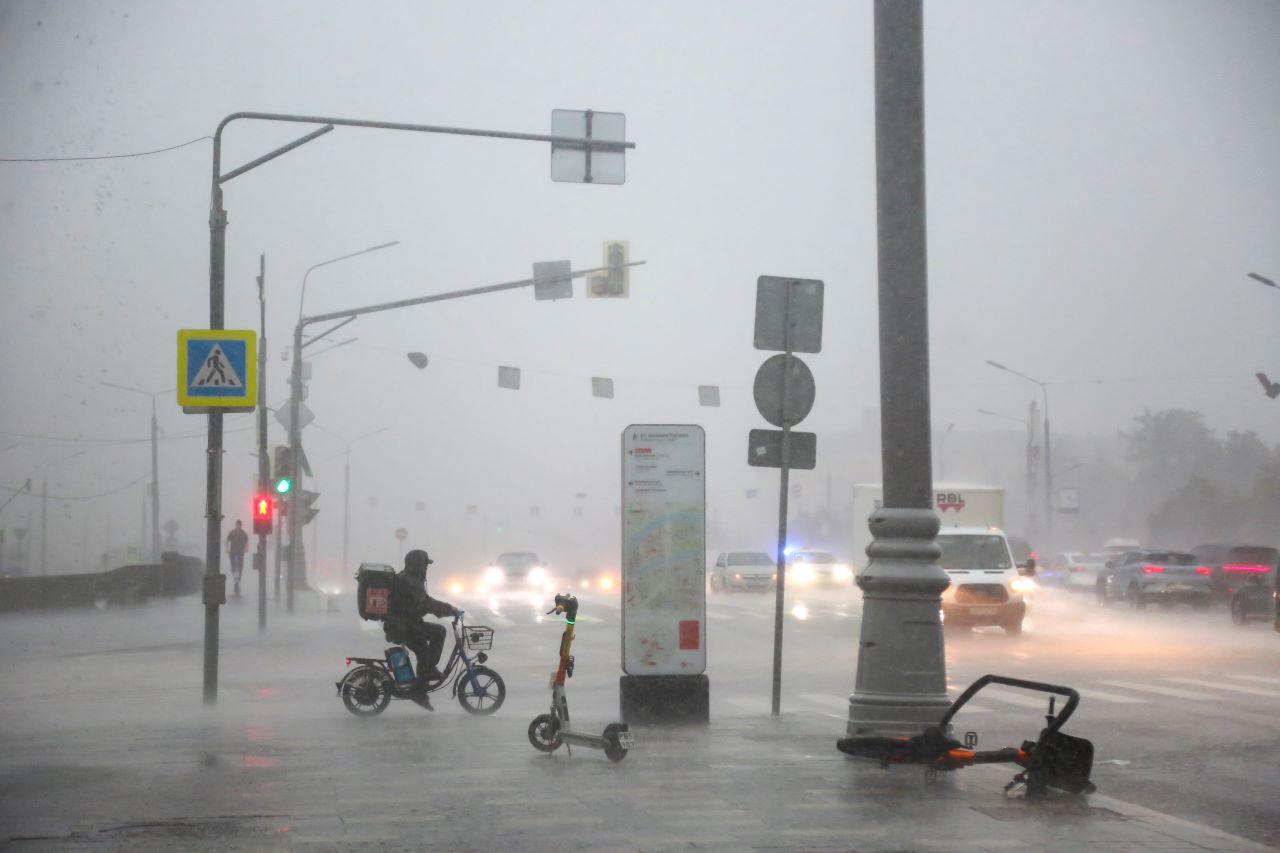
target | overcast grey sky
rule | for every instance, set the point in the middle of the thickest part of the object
(1101, 177)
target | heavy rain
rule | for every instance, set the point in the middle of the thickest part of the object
(631, 328)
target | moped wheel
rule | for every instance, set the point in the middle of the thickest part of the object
(614, 751)
(544, 733)
(366, 691)
(487, 697)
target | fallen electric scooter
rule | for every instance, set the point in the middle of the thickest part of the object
(1054, 760)
(548, 731)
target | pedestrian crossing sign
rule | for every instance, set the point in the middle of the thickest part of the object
(217, 370)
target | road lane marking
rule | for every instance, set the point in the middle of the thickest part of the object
(1218, 685)
(1174, 692)
(1262, 678)
(1104, 696)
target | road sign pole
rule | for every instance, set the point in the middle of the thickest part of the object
(780, 588)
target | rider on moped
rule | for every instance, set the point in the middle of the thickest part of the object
(407, 604)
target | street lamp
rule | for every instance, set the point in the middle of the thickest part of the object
(297, 564)
(44, 509)
(604, 145)
(155, 464)
(346, 489)
(1031, 458)
(1262, 278)
(1048, 453)
(942, 462)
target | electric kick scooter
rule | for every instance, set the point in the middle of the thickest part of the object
(548, 731)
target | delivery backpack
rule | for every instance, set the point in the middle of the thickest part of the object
(373, 592)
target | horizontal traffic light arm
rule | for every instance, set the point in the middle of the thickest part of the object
(455, 294)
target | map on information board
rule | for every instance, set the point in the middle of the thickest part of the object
(664, 550)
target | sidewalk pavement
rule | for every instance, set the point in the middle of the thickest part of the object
(113, 751)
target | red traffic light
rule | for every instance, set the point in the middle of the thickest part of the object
(263, 510)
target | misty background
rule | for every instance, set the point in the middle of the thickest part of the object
(1101, 177)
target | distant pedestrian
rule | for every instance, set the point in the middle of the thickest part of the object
(237, 544)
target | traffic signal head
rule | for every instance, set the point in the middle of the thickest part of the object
(282, 470)
(615, 281)
(307, 510)
(262, 512)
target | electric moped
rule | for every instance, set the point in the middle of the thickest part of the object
(368, 689)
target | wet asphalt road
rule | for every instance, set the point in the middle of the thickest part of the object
(1183, 707)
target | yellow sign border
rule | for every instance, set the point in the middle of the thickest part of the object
(245, 402)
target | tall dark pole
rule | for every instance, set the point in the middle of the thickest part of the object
(44, 525)
(215, 583)
(295, 571)
(264, 464)
(1048, 475)
(901, 681)
(155, 484)
(346, 505)
(784, 484)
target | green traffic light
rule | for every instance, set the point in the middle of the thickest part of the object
(283, 486)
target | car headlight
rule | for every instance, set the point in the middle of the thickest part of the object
(494, 576)
(537, 576)
(1023, 585)
(606, 583)
(802, 573)
(842, 572)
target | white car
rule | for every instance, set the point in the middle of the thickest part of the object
(808, 567)
(515, 571)
(986, 588)
(1075, 569)
(738, 570)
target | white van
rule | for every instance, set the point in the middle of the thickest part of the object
(985, 584)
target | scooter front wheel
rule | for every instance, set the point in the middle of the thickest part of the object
(544, 733)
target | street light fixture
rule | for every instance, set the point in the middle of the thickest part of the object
(942, 442)
(1048, 454)
(214, 593)
(44, 508)
(155, 464)
(346, 489)
(297, 567)
(1031, 459)
(1262, 278)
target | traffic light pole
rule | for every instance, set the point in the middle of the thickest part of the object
(214, 595)
(264, 464)
(295, 570)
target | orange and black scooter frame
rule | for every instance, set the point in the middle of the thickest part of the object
(549, 731)
(1053, 760)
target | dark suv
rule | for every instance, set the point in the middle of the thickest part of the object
(1235, 567)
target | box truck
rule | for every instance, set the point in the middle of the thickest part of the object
(957, 505)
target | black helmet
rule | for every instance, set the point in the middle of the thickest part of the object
(416, 562)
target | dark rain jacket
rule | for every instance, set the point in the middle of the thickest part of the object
(408, 602)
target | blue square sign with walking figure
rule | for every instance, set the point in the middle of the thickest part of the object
(217, 370)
